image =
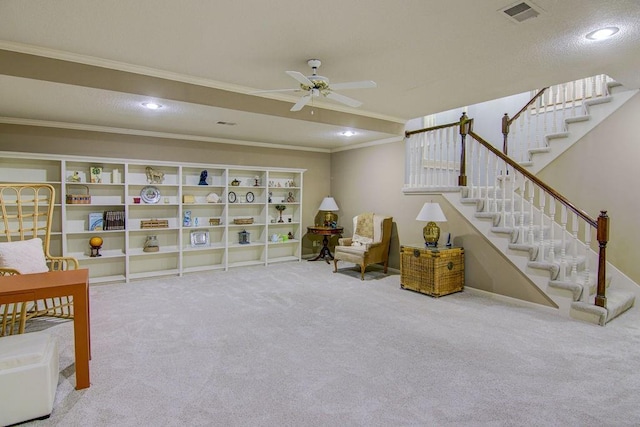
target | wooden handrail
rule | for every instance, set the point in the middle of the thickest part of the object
(531, 101)
(506, 121)
(407, 134)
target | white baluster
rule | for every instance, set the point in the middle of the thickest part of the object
(543, 198)
(573, 98)
(563, 100)
(552, 215)
(440, 156)
(512, 208)
(495, 182)
(587, 266)
(531, 193)
(521, 234)
(451, 158)
(554, 91)
(487, 163)
(574, 237)
(563, 247)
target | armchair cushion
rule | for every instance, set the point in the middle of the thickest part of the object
(25, 256)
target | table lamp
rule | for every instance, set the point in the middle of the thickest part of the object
(329, 206)
(432, 213)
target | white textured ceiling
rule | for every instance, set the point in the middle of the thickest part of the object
(425, 55)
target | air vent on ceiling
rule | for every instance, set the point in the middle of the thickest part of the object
(226, 123)
(521, 11)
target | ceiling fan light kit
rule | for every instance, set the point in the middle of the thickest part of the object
(316, 85)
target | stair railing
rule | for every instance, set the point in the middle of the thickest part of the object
(432, 158)
(529, 206)
(547, 113)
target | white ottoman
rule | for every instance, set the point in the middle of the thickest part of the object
(28, 376)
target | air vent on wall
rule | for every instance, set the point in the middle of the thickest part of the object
(225, 123)
(521, 11)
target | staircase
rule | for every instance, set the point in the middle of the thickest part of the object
(568, 280)
(533, 227)
(570, 129)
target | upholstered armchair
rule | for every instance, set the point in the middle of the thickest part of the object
(369, 243)
(26, 216)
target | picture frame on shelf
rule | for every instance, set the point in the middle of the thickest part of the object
(95, 173)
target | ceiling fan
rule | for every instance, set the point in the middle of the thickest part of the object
(315, 86)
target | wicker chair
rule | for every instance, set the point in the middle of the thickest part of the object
(366, 250)
(26, 212)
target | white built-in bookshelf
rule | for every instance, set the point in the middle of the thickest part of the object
(199, 229)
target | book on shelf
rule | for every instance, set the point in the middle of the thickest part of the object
(114, 220)
(96, 221)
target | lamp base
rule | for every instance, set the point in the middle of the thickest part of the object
(431, 234)
(330, 219)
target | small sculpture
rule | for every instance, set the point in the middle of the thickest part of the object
(270, 195)
(154, 176)
(280, 208)
(203, 178)
(291, 199)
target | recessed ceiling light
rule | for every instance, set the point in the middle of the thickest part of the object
(602, 33)
(152, 105)
(348, 133)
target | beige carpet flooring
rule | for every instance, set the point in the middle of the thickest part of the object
(294, 344)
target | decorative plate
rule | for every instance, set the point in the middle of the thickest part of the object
(150, 194)
(250, 197)
(199, 238)
(232, 197)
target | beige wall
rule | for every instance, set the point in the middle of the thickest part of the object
(81, 143)
(371, 180)
(601, 172)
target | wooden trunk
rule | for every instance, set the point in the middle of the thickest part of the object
(431, 271)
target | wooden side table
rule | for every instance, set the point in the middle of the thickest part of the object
(434, 271)
(326, 232)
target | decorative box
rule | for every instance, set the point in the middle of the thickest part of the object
(432, 271)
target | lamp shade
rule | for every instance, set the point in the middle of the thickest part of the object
(328, 204)
(431, 212)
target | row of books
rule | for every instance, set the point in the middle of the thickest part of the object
(108, 220)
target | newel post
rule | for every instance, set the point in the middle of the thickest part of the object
(505, 133)
(464, 130)
(603, 238)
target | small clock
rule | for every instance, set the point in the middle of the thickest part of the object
(232, 197)
(250, 197)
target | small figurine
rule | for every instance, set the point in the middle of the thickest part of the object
(290, 199)
(75, 177)
(203, 178)
(154, 176)
(270, 194)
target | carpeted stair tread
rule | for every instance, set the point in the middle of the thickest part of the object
(556, 135)
(574, 288)
(617, 303)
(576, 119)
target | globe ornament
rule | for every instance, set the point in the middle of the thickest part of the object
(96, 244)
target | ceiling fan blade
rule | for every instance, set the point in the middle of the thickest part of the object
(301, 78)
(275, 90)
(301, 103)
(344, 99)
(365, 84)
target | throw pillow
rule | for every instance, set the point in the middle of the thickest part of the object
(26, 256)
